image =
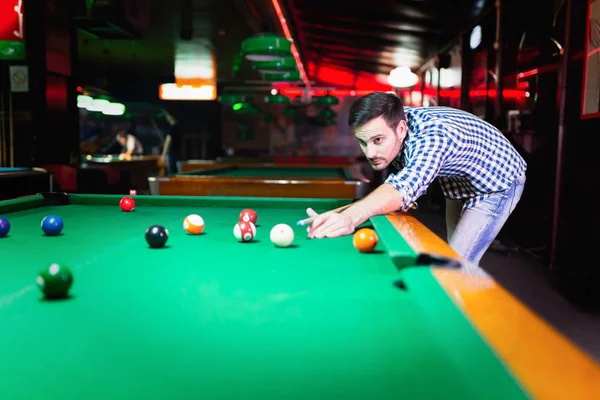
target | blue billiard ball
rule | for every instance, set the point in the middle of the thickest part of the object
(4, 227)
(52, 225)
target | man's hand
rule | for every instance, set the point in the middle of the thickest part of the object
(329, 224)
(383, 200)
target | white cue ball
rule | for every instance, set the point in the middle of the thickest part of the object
(282, 235)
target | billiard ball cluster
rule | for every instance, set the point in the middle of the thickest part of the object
(56, 281)
(52, 225)
(281, 235)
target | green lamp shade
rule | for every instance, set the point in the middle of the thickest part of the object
(327, 100)
(246, 108)
(230, 99)
(300, 119)
(290, 111)
(285, 64)
(277, 99)
(327, 113)
(283, 77)
(266, 47)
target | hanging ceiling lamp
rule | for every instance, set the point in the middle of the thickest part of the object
(402, 77)
(281, 65)
(230, 98)
(266, 47)
(246, 108)
(284, 77)
(277, 98)
(327, 113)
(327, 100)
(290, 111)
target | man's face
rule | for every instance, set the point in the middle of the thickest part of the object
(380, 143)
(123, 141)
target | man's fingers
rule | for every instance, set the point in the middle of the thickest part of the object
(319, 231)
(320, 220)
(311, 213)
(336, 232)
(318, 224)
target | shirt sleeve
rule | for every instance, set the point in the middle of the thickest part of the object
(423, 163)
(130, 143)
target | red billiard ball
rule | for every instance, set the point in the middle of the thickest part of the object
(127, 204)
(248, 215)
(244, 231)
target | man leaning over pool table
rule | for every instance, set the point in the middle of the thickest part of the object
(482, 175)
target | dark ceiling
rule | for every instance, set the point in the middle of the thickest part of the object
(354, 38)
(376, 36)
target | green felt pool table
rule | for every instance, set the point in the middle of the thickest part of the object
(208, 317)
(265, 181)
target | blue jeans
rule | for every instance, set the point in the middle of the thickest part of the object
(472, 231)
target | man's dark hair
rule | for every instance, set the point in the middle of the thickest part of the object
(122, 135)
(375, 105)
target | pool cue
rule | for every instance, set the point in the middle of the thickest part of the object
(337, 210)
(311, 219)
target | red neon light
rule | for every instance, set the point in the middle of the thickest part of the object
(288, 35)
(335, 92)
(592, 52)
(11, 20)
(526, 74)
(448, 93)
(332, 76)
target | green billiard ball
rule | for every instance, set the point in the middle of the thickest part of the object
(55, 281)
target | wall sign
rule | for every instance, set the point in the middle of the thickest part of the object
(12, 34)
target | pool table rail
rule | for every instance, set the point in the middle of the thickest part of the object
(355, 186)
(545, 362)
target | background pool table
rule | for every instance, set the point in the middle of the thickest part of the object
(137, 167)
(210, 318)
(331, 162)
(23, 181)
(265, 181)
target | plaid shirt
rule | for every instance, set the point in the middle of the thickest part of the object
(471, 158)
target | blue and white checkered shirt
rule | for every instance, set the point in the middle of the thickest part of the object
(470, 157)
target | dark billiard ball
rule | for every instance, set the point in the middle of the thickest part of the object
(4, 227)
(55, 281)
(157, 236)
(52, 225)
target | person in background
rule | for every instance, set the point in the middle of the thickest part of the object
(171, 155)
(130, 144)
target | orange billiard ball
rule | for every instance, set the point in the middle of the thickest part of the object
(193, 224)
(365, 240)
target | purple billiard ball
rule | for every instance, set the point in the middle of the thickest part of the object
(4, 227)
(52, 225)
